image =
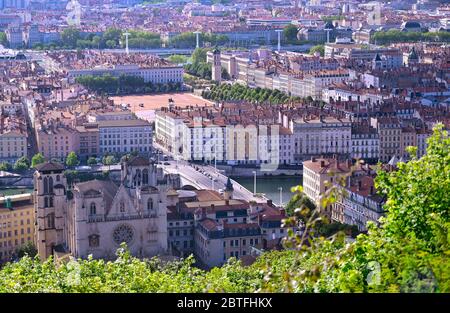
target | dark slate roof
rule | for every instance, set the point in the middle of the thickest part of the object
(139, 161)
(107, 187)
(49, 166)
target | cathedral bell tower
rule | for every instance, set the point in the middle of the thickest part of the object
(50, 205)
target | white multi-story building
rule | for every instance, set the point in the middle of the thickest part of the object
(320, 174)
(165, 74)
(198, 138)
(311, 85)
(345, 93)
(365, 143)
(124, 136)
(321, 136)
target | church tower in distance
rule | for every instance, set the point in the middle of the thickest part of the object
(216, 66)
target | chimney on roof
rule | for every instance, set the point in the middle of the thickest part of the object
(322, 163)
(359, 185)
(372, 190)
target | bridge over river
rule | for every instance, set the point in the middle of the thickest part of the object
(207, 177)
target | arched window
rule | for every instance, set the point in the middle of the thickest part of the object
(51, 220)
(145, 177)
(45, 202)
(50, 202)
(150, 204)
(45, 185)
(138, 178)
(57, 178)
(50, 185)
(92, 209)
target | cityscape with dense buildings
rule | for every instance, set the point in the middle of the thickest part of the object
(208, 131)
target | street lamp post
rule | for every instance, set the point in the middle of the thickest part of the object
(281, 195)
(254, 183)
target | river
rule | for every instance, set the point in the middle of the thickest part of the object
(270, 186)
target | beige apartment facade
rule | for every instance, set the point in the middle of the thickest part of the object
(17, 221)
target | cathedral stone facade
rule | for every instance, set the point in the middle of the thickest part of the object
(95, 217)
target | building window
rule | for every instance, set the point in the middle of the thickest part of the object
(122, 207)
(50, 185)
(45, 185)
(92, 209)
(51, 220)
(145, 177)
(150, 204)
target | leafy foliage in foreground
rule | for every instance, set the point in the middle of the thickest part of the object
(409, 252)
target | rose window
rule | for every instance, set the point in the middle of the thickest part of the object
(123, 233)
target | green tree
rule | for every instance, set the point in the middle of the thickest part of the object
(109, 160)
(5, 166)
(72, 159)
(69, 37)
(3, 39)
(290, 33)
(111, 38)
(92, 161)
(21, 164)
(38, 158)
(28, 249)
(318, 48)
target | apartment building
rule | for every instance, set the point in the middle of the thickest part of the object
(390, 133)
(365, 143)
(14, 35)
(422, 137)
(124, 136)
(13, 137)
(56, 140)
(157, 75)
(408, 138)
(216, 242)
(312, 84)
(320, 174)
(17, 219)
(347, 93)
(207, 134)
(359, 203)
(313, 136)
(88, 140)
